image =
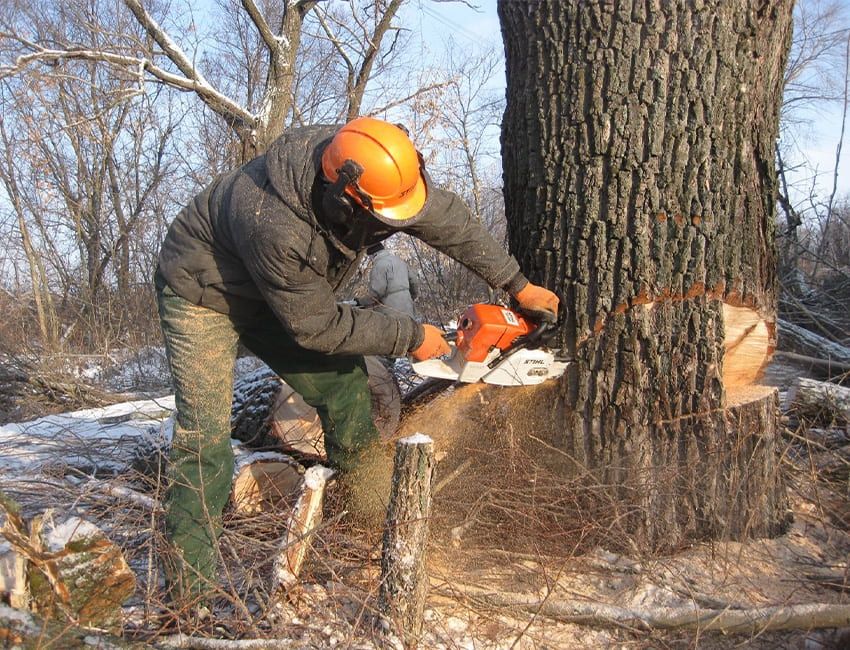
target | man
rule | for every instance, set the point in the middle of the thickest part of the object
(255, 258)
(392, 287)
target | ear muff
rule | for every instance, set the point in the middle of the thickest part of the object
(337, 204)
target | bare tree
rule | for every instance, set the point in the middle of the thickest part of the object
(456, 125)
(265, 43)
(815, 78)
(84, 153)
(816, 83)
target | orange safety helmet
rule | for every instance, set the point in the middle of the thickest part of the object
(392, 179)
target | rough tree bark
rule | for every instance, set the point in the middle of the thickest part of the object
(404, 581)
(638, 150)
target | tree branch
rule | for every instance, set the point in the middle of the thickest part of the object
(194, 80)
(272, 42)
(217, 101)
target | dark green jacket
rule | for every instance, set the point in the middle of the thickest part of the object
(258, 235)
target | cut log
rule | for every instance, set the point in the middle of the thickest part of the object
(793, 338)
(302, 524)
(295, 424)
(404, 582)
(820, 401)
(265, 482)
(748, 344)
(73, 570)
(269, 413)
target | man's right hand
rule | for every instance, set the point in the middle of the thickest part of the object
(433, 345)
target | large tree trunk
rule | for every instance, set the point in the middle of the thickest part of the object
(639, 180)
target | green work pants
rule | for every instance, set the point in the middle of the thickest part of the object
(201, 347)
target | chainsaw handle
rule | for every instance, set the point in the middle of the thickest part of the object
(530, 340)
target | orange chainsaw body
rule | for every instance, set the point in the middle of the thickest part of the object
(483, 327)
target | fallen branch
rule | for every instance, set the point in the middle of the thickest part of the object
(758, 619)
(802, 341)
(825, 365)
(201, 643)
(119, 492)
(460, 469)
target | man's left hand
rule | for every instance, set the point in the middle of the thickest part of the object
(539, 302)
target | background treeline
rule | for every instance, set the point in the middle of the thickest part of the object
(115, 112)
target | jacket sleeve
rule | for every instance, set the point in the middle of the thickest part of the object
(448, 225)
(305, 304)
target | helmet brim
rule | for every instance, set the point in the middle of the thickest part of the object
(408, 207)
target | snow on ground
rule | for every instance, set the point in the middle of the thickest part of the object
(42, 458)
(101, 440)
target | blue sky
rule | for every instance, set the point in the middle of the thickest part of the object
(815, 142)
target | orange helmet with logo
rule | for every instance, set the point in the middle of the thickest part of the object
(391, 178)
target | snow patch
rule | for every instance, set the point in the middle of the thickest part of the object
(15, 615)
(316, 476)
(101, 438)
(57, 536)
(417, 439)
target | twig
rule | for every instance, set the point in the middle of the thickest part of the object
(453, 475)
(201, 643)
(823, 364)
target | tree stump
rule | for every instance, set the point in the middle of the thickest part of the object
(403, 578)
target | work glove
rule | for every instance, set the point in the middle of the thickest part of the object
(538, 302)
(433, 345)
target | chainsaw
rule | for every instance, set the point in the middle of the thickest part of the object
(497, 345)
